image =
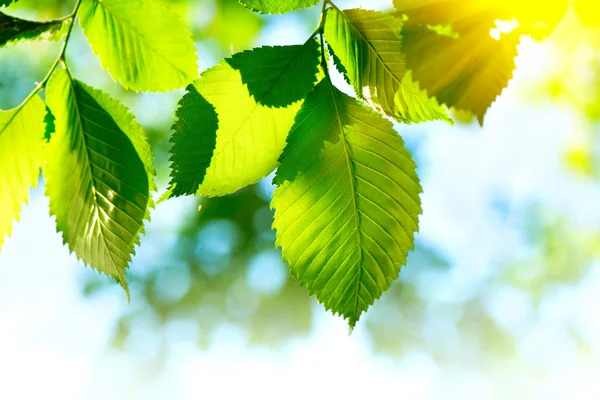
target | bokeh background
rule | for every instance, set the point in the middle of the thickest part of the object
(500, 299)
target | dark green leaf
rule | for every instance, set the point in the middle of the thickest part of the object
(193, 143)
(284, 75)
(13, 29)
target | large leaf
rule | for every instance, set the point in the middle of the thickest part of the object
(99, 187)
(278, 6)
(21, 156)
(466, 72)
(369, 46)
(347, 201)
(14, 29)
(143, 45)
(250, 135)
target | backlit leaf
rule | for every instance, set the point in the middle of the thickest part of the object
(537, 18)
(21, 156)
(143, 45)
(467, 73)
(369, 46)
(347, 201)
(98, 185)
(14, 29)
(250, 135)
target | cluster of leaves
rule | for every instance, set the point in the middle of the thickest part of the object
(347, 200)
(95, 158)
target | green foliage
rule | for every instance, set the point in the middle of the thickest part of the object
(97, 184)
(347, 202)
(6, 3)
(250, 135)
(347, 196)
(21, 152)
(13, 29)
(278, 6)
(141, 43)
(375, 64)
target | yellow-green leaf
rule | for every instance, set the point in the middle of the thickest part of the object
(21, 155)
(144, 45)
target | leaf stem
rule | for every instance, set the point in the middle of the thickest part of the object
(321, 26)
(61, 55)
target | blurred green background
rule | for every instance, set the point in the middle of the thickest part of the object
(500, 299)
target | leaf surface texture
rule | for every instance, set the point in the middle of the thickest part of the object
(369, 47)
(347, 201)
(250, 135)
(99, 187)
(21, 155)
(144, 45)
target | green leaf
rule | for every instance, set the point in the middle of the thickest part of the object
(143, 45)
(467, 73)
(14, 30)
(278, 6)
(21, 155)
(98, 184)
(285, 74)
(6, 3)
(347, 202)
(250, 135)
(193, 143)
(369, 46)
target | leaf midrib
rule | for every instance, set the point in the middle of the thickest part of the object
(364, 38)
(90, 172)
(140, 37)
(354, 201)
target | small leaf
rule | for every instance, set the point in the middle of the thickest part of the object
(6, 3)
(278, 6)
(250, 135)
(21, 155)
(369, 46)
(143, 45)
(99, 187)
(13, 30)
(347, 201)
(280, 78)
